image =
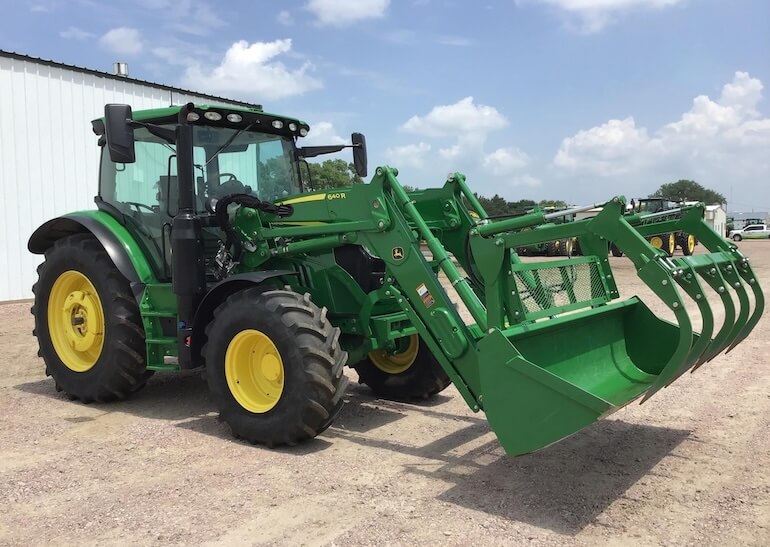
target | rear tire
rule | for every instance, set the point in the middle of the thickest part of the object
(688, 244)
(418, 377)
(100, 358)
(670, 244)
(284, 384)
(553, 248)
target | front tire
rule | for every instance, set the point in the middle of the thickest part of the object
(410, 373)
(274, 366)
(87, 323)
(737, 237)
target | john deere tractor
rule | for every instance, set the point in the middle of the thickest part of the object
(208, 248)
(659, 209)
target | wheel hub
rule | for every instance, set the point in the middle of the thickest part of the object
(398, 361)
(254, 371)
(76, 321)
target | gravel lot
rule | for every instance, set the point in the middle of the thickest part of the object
(689, 467)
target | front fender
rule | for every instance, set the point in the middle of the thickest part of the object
(219, 293)
(120, 245)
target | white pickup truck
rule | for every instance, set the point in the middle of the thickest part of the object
(752, 231)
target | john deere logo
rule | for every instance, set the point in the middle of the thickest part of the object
(398, 253)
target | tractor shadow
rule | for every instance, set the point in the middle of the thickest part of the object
(563, 487)
(183, 398)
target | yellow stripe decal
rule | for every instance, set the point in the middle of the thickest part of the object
(303, 199)
(299, 223)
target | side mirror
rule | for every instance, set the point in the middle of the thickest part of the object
(359, 153)
(120, 135)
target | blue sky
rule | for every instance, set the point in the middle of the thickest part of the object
(571, 99)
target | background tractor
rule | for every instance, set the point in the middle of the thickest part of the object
(208, 249)
(669, 241)
(559, 247)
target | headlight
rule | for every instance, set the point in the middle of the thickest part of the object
(193, 117)
(213, 116)
(278, 124)
(292, 126)
(303, 132)
(234, 118)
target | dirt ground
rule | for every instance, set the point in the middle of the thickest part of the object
(689, 467)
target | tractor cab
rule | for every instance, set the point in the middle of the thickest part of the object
(235, 151)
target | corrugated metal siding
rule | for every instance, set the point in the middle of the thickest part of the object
(48, 154)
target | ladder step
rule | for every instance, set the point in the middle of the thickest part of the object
(161, 341)
(160, 314)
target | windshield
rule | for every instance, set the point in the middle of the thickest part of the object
(231, 161)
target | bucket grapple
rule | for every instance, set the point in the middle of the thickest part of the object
(552, 348)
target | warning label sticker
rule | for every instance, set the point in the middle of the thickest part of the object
(425, 296)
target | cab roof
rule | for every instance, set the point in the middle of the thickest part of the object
(253, 118)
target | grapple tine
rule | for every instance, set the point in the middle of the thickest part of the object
(688, 280)
(730, 274)
(746, 273)
(658, 274)
(714, 278)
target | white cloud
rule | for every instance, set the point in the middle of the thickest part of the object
(122, 40)
(466, 126)
(505, 161)
(193, 17)
(284, 18)
(525, 180)
(251, 70)
(409, 155)
(74, 33)
(594, 15)
(456, 119)
(322, 133)
(345, 12)
(718, 139)
(612, 148)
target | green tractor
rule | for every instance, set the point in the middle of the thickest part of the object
(559, 247)
(662, 208)
(208, 249)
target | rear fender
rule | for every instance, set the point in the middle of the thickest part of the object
(119, 244)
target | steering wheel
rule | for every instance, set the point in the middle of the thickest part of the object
(139, 206)
(230, 177)
(231, 186)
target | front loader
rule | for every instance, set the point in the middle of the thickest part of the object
(209, 249)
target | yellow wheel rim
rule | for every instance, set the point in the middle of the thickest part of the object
(76, 321)
(690, 243)
(399, 361)
(657, 242)
(254, 371)
(671, 243)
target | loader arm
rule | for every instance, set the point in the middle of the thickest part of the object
(549, 349)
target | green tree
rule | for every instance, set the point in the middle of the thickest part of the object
(557, 203)
(688, 190)
(332, 174)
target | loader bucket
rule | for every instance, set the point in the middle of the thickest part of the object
(559, 376)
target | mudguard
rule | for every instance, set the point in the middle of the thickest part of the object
(218, 293)
(120, 245)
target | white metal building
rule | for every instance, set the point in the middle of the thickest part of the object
(716, 218)
(48, 154)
